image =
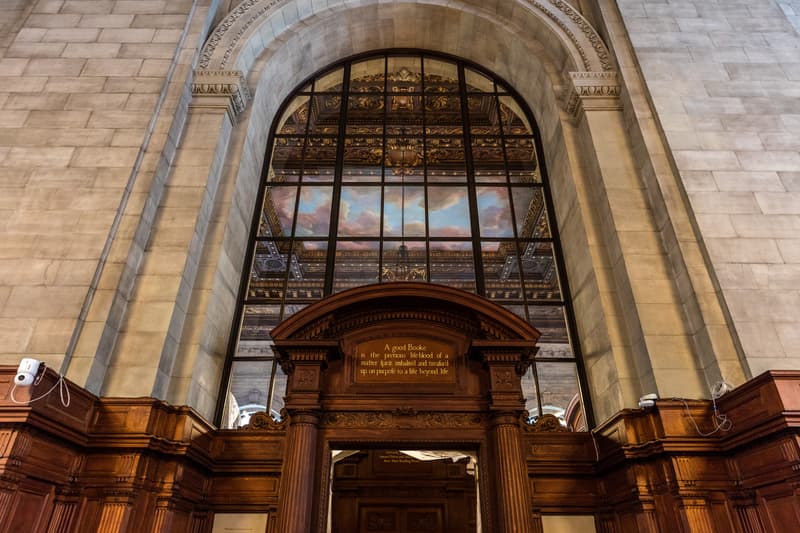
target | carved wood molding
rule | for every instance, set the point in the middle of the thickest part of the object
(404, 301)
(262, 421)
(406, 418)
(545, 424)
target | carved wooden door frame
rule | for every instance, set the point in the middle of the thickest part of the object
(471, 398)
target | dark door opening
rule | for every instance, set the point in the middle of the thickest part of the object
(393, 491)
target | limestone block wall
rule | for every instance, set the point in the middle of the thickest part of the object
(80, 84)
(724, 78)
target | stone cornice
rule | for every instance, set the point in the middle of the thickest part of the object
(591, 91)
(220, 88)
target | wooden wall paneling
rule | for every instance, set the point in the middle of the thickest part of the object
(781, 505)
(66, 508)
(133, 465)
(561, 471)
(695, 516)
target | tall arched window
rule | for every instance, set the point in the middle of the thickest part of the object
(403, 166)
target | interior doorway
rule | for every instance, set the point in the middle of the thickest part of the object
(404, 491)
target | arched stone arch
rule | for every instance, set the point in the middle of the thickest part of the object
(564, 32)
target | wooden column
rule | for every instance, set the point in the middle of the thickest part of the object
(304, 363)
(506, 364)
(512, 492)
(296, 496)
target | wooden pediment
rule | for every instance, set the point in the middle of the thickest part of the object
(438, 306)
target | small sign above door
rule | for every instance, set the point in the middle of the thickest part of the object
(404, 360)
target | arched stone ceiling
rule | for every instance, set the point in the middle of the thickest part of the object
(565, 36)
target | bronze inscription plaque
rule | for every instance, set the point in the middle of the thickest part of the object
(404, 360)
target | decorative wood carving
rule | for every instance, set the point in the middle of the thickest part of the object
(545, 422)
(262, 421)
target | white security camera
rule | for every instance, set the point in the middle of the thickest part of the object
(26, 372)
(648, 400)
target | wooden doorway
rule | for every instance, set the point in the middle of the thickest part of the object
(394, 491)
(401, 366)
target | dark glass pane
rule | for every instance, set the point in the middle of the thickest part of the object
(404, 261)
(258, 321)
(320, 159)
(477, 82)
(403, 111)
(518, 310)
(501, 272)
(325, 114)
(494, 212)
(362, 159)
(367, 76)
(529, 393)
(248, 391)
(320, 152)
(278, 392)
(287, 157)
(356, 264)
(360, 212)
(487, 156)
(448, 212)
(365, 114)
(539, 272)
(413, 198)
(483, 116)
(307, 271)
(330, 82)
(443, 114)
(268, 275)
(514, 120)
(447, 130)
(531, 213)
(256, 348)
(453, 264)
(404, 129)
(294, 119)
(550, 321)
(291, 309)
(440, 76)
(278, 211)
(522, 167)
(314, 211)
(446, 160)
(405, 74)
(404, 159)
(558, 388)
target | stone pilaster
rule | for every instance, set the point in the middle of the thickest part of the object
(160, 321)
(652, 341)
